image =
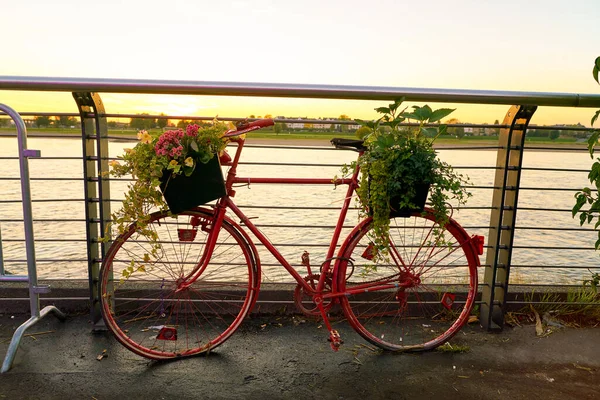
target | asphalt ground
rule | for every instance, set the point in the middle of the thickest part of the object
(289, 357)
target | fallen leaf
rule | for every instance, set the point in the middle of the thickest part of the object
(102, 355)
(539, 329)
(582, 367)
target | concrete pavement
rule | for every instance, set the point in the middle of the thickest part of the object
(285, 358)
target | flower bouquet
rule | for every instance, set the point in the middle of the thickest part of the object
(181, 165)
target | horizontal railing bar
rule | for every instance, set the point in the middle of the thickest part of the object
(554, 169)
(558, 148)
(45, 260)
(44, 158)
(545, 209)
(34, 83)
(555, 266)
(37, 239)
(550, 189)
(288, 164)
(45, 220)
(300, 265)
(46, 200)
(474, 147)
(553, 247)
(42, 179)
(557, 303)
(545, 228)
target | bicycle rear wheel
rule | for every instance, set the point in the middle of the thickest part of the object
(419, 296)
(144, 302)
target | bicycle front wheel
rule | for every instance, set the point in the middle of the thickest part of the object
(418, 296)
(149, 301)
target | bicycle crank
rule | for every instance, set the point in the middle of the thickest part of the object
(302, 300)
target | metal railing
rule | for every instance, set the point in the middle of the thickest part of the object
(506, 234)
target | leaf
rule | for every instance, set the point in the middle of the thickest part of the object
(394, 106)
(361, 121)
(368, 124)
(194, 146)
(580, 202)
(422, 113)
(432, 132)
(440, 113)
(595, 117)
(596, 69)
(593, 139)
(382, 110)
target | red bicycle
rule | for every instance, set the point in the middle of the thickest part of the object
(204, 275)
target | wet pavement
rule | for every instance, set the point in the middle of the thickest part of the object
(289, 357)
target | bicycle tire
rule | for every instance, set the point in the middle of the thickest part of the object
(144, 309)
(421, 295)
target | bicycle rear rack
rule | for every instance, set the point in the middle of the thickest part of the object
(31, 277)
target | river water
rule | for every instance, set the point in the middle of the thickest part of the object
(60, 244)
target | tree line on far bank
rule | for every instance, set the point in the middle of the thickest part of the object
(144, 121)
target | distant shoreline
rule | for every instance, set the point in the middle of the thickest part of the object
(325, 142)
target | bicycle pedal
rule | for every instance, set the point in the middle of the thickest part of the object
(335, 340)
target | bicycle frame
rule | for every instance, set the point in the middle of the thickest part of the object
(226, 202)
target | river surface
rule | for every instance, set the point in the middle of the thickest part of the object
(541, 253)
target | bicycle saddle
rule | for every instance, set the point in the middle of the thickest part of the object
(348, 144)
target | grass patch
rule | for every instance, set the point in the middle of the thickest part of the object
(577, 308)
(453, 348)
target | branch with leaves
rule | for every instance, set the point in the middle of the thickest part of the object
(588, 196)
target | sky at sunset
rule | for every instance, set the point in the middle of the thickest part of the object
(533, 45)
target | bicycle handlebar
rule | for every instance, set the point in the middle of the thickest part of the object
(245, 126)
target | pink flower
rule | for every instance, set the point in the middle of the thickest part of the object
(169, 141)
(192, 130)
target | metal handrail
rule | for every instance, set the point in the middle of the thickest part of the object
(148, 86)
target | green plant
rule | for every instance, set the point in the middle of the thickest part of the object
(457, 348)
(176, 152)
(399, 157)
(586, 196)
(594, 281)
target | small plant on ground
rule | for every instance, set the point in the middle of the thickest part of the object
(453, 348)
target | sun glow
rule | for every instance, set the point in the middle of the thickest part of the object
(462, 45)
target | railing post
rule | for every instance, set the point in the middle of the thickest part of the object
(503, 216)
(96, 190)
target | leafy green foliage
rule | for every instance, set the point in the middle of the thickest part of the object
(398, 158)
(587, 196)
